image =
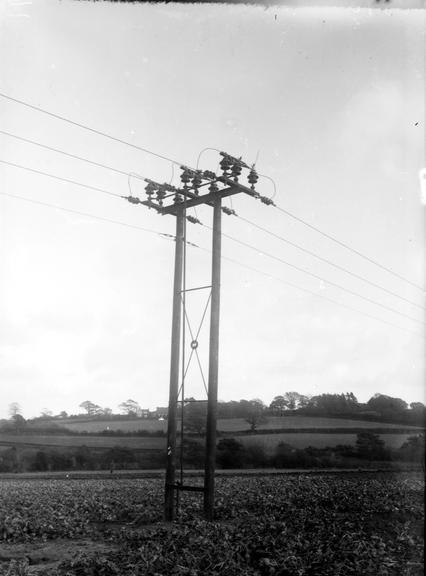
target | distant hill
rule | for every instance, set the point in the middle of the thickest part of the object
(292, 422)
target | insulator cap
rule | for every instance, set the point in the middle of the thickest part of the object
(209, 175)
(253, 178)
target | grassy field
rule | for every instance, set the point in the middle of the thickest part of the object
(123, 425)
(296, 421)
(316, 440)
(226, 425)
(333, 434)
(268, 441)
(56, 441)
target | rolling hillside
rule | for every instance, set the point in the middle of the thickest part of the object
(229, 425)
(299, 431)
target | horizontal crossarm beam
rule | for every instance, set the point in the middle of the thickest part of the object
(205, 199)
(194, 200)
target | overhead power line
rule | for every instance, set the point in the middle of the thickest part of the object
(238, 263)
(360, 254)
(41, 172)
(342, 268)
(146, 150)
(88, 215)
(93, 130)
(227, 236)
(269, 201)
(312, 293)
(278, 259)
(82, 158)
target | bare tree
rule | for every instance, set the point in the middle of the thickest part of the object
(91, 408)
(130, 407)
(256, 414)
(14, 409)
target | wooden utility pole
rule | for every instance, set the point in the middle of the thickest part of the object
(213, 364)
(188, 196)
(169, 507)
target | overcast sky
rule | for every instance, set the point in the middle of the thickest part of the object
(329, 101)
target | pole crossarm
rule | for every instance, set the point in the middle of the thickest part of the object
(195, 200)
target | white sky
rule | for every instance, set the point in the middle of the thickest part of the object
(331, 99)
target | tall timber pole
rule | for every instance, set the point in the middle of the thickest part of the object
(169, 507)
(209, 472)
(198, 188)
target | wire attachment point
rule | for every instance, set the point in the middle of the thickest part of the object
(267, 201)
(193, 220)
(132, 199)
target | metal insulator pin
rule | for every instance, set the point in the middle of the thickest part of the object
(213, 187)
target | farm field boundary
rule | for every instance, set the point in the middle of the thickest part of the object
(319, 438)
(56, 441)
(190, 473)
(229, 424)
(344, 430)
(316, 439)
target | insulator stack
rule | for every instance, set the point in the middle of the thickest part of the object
(161, 193)
(209, 175)
(185, 176)
(196, 180)
(229, 211)
(252, 178)
(168, 187)
(213, 187)
(150, 189)
(236, 171)
(225, 164)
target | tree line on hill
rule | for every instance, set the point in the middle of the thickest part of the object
(379, 408)
(369, 450)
